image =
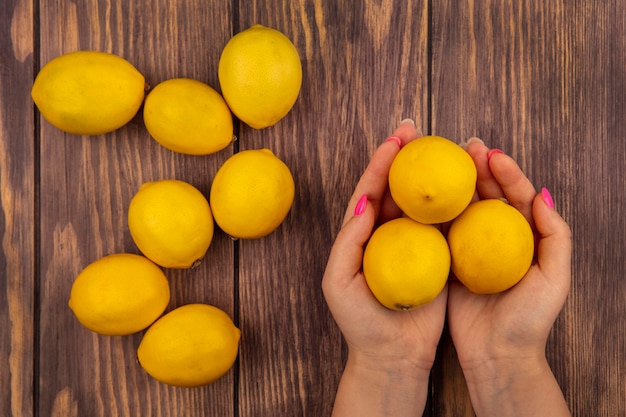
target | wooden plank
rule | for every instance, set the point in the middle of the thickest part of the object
(590, 166)
(86, 186)
(17, 215)
(364, 70)
(542, 81)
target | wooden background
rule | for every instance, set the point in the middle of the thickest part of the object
(543, 80)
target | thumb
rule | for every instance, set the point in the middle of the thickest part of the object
(346, 255)
(555, 245)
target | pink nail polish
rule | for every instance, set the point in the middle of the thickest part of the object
(492, 153)
(547, 197)
(395, 139)
(360, 205)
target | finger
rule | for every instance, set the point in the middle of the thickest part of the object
(389, 210)
(555, 244)
(486, 184)
(517, 189)
(407, 131)
(374, 180)
(346, 255)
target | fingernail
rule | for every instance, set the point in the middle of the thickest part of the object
(492, 153)
(407, 120)
(394, 139)
(360, 205)
(475, 139)
(547, 197)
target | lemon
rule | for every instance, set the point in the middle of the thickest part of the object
(88, 92)
(119, 294)
(192, 345)
(188, 116)
(406, 263)
(260, 75)
(432, 179)
(171, 223)
(251, 194)
(492, 246)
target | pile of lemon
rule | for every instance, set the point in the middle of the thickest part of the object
(91, 92)
(171, 221)
(489, 244)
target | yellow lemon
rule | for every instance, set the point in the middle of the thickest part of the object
(260, 75)
(251, 194)
(406, 263)
(88, 92)
(188, 116)
(192, 345)
(492, 246)
(119, 294)
(171, 223)
(432, 179)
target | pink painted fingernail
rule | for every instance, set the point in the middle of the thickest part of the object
(492, 153)
(395, 139)
(547, 197)
(360, 205)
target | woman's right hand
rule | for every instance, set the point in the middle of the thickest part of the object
(501, 338)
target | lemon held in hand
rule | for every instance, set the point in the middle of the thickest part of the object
(406, 263)
(260, 75)
(171, 223)
(119, 294)
(251, 194)
(193, 345)
(188, 116)
(432, 179)
(88, 92)
(492, 246)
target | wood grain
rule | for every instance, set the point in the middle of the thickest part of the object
(551, 95)
(85, 188)
(17, 214)
(544, 81)
(364, 71)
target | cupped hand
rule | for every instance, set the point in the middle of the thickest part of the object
(513, 325)
(377, 335)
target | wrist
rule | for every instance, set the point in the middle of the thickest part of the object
(491, 359)
(522, 386)
(380, 387)
(482, 373)
(407, 370)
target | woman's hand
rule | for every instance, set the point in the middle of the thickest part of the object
(501, 338)
(390, 353)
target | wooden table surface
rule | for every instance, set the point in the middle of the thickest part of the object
(543, 80)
